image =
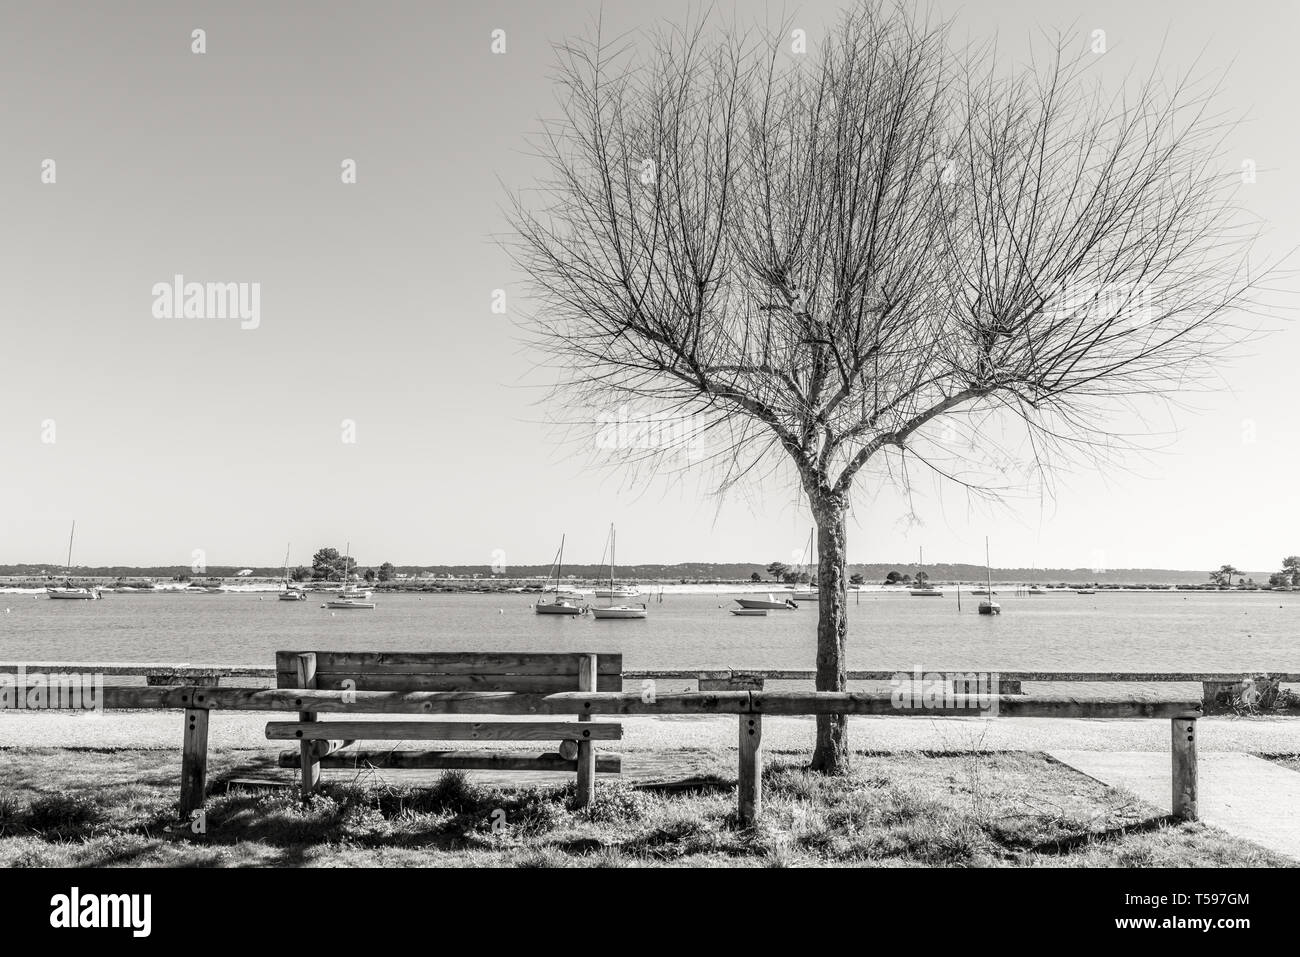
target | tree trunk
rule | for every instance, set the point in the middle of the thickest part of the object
(832, 752)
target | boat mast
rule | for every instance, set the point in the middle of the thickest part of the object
(347, 557)
(67, 569)
(988, 569)
(611, 564)
(286, 562)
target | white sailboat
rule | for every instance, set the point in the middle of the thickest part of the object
(349, 597)
(989, 606)
(924, 589)
(291, 592)
(560, 604)
(69, 592)
(809, 593)
(613, 611)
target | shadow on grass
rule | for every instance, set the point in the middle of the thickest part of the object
(1070, 843)
(956, 810)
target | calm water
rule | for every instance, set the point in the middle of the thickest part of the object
(1110, 631)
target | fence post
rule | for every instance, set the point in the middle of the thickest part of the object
(586, 755)
(194, 761)
(749, 789)
(307, 756)
(1210, 691)
(1184, 768)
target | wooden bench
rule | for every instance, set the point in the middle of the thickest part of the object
(524, 679)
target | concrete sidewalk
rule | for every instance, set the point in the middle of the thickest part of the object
(1239, 793)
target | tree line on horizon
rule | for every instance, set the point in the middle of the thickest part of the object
(327, 565)
(1289, 576)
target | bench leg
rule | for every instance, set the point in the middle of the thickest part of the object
(308, 756)
(749, 789)
(1184, 767)
(586, 753)
(194, 761)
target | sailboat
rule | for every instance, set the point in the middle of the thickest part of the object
(349, 597)
(350, 590)
(612, 610)
(291, 592)
(924, 589)
(988, 606)
(809, 593)
(84, 594)
(560, 604)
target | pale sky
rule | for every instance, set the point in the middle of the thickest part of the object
(171, 435)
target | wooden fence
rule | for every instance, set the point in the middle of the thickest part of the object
(197, 702)
(1212, 683)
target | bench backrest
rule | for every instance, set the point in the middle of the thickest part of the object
(526, 672)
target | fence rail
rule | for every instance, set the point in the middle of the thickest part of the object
(186, 669)
(1213, 683)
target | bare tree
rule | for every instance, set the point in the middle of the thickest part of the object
(815, 258)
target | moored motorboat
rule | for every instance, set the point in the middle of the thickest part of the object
(619, 611)
(1085, 591)
(348, 603)
(768, 603)
(990, 607)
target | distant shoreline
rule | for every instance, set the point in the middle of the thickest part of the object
(533, 586)
(694, 572)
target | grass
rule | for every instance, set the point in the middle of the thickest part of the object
(1291, 761)
(115, 808)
